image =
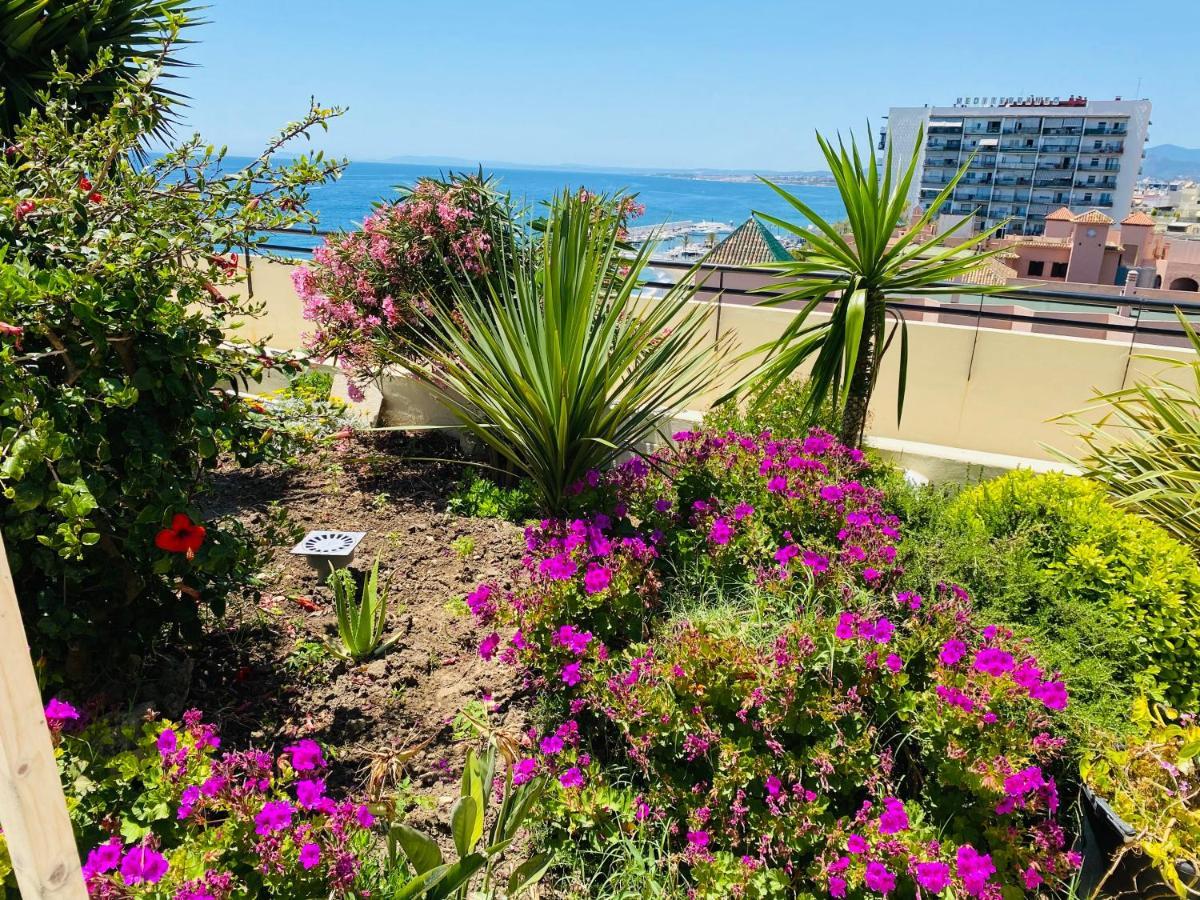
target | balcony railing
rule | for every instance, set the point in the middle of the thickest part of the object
(1060, 148)
(1109, 130)
(1015, 164)
(1069, 129)
(1097, 185)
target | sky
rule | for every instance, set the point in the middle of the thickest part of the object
(655, 84)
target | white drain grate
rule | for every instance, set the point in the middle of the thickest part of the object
(325, 549)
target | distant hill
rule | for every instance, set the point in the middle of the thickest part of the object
(1168, 161)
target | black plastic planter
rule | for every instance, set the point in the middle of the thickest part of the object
(1104, 834)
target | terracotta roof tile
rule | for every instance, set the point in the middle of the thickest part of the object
(1062, 214)
(1137, 218)
(988, 272)
(1093, 217)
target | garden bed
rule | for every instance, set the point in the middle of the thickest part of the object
(264, 674)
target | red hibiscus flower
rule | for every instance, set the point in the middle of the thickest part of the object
(181, 537)
(84, 184)
(95, 197)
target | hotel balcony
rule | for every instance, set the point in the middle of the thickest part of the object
(1067, 129)
(1060, 148)
(1111, 129)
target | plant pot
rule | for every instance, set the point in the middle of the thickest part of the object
(1104, 835)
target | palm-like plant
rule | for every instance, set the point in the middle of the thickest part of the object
(1145, 449)
(34, 33)
(553, 362)
(859, 269)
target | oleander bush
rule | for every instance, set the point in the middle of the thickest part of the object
(119, 364)
(736, 666)
(1101, 584)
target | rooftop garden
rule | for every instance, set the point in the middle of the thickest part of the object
(565, 648)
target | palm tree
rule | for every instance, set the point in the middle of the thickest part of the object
(859, 267)
(33, 33)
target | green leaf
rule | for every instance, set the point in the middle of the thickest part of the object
(422, 851)
(529, 873)
(466, 824)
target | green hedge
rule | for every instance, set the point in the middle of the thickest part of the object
(1117, 594)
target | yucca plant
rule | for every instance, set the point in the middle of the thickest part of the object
(858, 267)
(1145, 447)
(361, 623)
(554, 363)
(36, 33)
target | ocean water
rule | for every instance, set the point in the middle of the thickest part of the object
(344, 203)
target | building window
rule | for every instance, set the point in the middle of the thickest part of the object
(1036, 267)
(1058, 270)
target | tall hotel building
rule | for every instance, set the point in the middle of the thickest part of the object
(1031, 156)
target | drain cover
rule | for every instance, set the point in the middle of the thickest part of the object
(324, 549)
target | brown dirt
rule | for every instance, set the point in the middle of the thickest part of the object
(261, 672)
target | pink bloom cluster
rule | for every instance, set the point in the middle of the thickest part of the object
(274, 814)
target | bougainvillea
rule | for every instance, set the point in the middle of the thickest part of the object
(874, 741)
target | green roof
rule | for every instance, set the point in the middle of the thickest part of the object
(749, 245)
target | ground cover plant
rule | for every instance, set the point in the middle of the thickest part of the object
(734, 665)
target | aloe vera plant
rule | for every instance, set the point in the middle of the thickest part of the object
(360, 622)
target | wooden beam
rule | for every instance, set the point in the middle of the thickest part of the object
(33, 810)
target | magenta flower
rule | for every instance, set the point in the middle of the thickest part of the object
(894, 818)
(104, 858)
(777, 485)
(597, 578)
(59, 711)
(774, 785)
(310, 792)
(831, 493)
(815, 561)
(837, 886)
(572, 778)
(143, 865)
(363, 816)
(523, 770)
(698, 839)
(487, 647)
(871, 575)
(187, 801)
(310, 855)
(306, 755)
(893, 663)
(845, 626)
(570, 674)
(974, 869)
(741, 511)
(168, 742)
(878, 878)
(551, 744)
(952, 651)
(720, 532)
(993, 661)
(275, 815)
(558, 568)
(1053, 694)
(786, 553)
(933, 876)
(575, 641)
(856, 844)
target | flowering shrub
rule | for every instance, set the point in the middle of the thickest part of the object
(876, 742)
(115, 316)
(161, 810)
(365, 289)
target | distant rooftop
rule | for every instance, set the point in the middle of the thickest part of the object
(749, 245)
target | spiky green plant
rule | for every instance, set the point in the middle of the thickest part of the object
(1145, 447)
(554, 363)
(361, 623)
(859, 268)
(34, 33)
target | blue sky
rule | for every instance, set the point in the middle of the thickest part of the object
(662, 84)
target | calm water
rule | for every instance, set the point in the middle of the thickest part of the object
(344, 203)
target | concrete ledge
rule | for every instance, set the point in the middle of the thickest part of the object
(954, 464)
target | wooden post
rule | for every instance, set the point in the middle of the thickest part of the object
(33, 810)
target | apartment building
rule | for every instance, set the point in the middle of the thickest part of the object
(1027, 156)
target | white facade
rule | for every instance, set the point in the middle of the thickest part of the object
(1029, 160)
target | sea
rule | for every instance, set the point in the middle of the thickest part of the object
(344, 203)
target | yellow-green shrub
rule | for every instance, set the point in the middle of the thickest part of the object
(1094, 552)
